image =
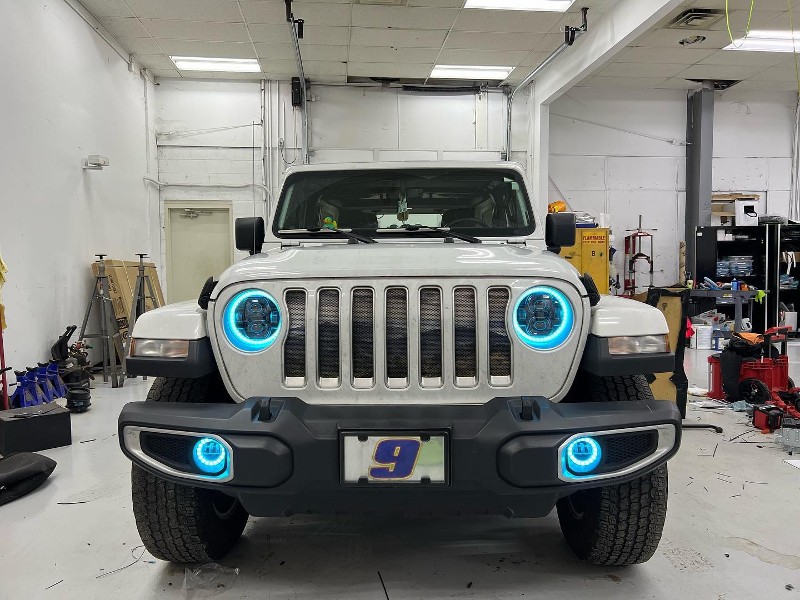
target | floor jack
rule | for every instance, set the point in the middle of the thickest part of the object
(111, 340)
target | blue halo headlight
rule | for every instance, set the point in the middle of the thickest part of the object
(543, 318)
(583, 455)
(251, 321)
(210, 456)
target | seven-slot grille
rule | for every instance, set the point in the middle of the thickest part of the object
(395, 334)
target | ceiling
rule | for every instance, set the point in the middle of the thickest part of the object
(350, 40)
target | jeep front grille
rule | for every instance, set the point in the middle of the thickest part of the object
(395, 335)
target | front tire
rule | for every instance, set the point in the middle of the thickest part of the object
(617, 524)
(182, 523)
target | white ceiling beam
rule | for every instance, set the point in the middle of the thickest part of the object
(605, 38)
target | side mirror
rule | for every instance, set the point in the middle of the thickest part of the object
(250, 234)
(559, 231)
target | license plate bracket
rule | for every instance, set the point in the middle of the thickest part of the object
(399, 458)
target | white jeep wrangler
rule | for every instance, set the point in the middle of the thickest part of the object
(409, 343)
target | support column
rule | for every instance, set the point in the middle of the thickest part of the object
(699, 156)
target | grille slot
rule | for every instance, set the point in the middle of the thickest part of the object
(397, 337)
(430, 335)
(173, 450)
(294, 348)
(363, 337)
(465, 336)
(623, 449)
(328, 336)
(499, 341)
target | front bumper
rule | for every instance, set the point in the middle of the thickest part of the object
(503, 456)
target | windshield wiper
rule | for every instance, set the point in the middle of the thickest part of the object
(343, 232)
(445, 231)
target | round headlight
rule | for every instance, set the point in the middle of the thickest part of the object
(210, 456)
(543, 318)
(583, 455)
(251, 321)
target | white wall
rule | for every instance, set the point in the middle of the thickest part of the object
(66, 94)
(599, 168)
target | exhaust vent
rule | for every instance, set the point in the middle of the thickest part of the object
(697, 18)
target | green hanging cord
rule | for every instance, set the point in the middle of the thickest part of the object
(728, 22)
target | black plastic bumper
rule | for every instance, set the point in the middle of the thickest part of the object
(502, 455)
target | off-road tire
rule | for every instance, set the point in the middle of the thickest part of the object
(181, 523)
(618, 524)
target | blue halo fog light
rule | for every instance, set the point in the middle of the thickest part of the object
(251, 321)
(583, 455)
(210, 456)
(543, 318)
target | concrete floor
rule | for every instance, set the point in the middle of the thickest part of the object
(732, 533)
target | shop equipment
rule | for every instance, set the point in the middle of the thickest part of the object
(635, 245)
(590, 254)
(142, 292)
(111, 340)
(39, 374)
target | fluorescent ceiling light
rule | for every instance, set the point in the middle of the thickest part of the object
(467, 72)
(540, 5)
(767, 41)
(229, 65)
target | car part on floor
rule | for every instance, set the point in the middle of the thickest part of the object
(23, 473)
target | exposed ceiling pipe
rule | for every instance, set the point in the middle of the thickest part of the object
(570, 34)
(296, 31)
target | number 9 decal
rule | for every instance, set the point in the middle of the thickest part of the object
(394, 458)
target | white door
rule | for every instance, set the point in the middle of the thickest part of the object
(199, 246)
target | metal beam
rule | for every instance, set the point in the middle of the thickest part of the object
(699, 156)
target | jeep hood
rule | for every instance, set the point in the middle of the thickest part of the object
(400, 260)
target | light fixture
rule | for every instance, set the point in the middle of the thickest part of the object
(583, 455)
(210, 456)
(767, 41)
(229, 65)
(470, 72)
(692, 39)
(251, 321)
(543, 318)
(539, 5)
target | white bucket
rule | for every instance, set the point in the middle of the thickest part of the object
(790, 320)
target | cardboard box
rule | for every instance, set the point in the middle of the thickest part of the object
(122, 276)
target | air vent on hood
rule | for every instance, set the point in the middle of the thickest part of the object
(697, 18)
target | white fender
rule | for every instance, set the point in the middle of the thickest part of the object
(615, 316)
(179, 321)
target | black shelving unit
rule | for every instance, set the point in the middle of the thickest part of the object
(764, 243)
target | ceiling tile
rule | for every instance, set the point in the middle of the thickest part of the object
(197, 30)
(780, 5)
(782, 72)
(738, 20)
(313, 34)
(622, 69)
(622, 82)
(771, 86)
(756, 59)
(124, 27)
(313, 13)
(534, 59)
(437, 3)
(200, 10)
(275, 51)
(386, 54)
(388, 70)
(400, 38)
(207, 49)
(670, 38)
(719, 72)
(679, 55)
(481, 57)
(365, 15)
(312, 68)
(107, 8)
(155, 61)
(165, 73)
(676, 83)
(506, 21)
(491, 41)
(140, 45)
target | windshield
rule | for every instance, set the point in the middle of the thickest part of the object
(480, 202)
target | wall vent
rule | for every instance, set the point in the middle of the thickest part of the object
(697, 18)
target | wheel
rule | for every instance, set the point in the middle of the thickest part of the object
(754, 391)
(617, 524)
(182, 523)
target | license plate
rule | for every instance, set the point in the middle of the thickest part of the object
(405, 459)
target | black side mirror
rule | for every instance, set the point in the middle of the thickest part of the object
(250, 234)
(559, 231)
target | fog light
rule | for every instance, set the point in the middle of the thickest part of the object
(583, 455)
(210, 456)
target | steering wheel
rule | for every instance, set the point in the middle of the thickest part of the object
(466, 220)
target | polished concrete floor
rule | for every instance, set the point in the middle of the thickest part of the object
(732, 533)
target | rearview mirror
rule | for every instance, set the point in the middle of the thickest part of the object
(559, 231)
(250, 234)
